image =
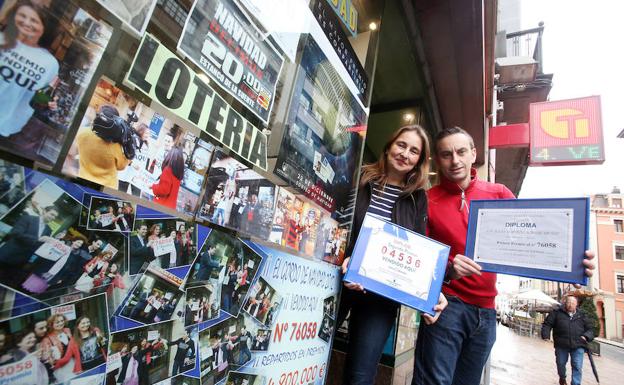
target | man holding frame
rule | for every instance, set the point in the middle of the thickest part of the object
(454, 349)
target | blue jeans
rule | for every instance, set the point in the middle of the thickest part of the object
(372, 318)
(576, 360)
(455, 348)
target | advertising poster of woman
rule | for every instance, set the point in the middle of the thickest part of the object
(49, 52)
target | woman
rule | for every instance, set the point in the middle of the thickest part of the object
(126, 176)
(185, 242)
(24, 33)
(154, 232)
(94, 271)
(130, 364)
(166, 190)
(25, 344)
(55, 344)
(86, 347)
(392, 189)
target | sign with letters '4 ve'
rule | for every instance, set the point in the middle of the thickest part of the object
(165, 78)
(233, 53)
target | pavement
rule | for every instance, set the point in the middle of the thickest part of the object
(520, 360)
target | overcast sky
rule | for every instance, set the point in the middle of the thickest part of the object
(582, 47)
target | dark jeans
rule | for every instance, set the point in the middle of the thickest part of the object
(455, 348)
(576, 359)
(372, 318)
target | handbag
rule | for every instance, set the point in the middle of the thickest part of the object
(35, 284)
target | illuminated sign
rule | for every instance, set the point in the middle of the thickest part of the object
(347, 12)
(566, 132)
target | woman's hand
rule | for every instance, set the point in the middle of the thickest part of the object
(350, 285)
(441, 305)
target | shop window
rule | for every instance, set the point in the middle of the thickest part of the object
(619, 283)
(619, 252)
(619, 225)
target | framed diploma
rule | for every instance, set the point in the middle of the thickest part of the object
(535, 238)
(398, 264)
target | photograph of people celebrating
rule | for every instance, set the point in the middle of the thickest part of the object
(157, 296)
(61, 342)
(107, 214)
(202, 304)
(226, 261)
(263, 303)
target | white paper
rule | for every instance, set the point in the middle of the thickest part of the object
(530, 238)
(405, 264)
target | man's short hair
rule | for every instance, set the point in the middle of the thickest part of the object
(448, 132)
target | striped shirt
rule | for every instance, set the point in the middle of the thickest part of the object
(382, 201)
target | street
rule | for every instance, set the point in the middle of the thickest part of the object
(523, 360)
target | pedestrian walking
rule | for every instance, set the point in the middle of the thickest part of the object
(571, 331)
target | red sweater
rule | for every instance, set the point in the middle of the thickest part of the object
(448, 224)
(74, 351)
(166, 190)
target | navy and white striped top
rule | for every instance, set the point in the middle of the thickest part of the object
(382, 201)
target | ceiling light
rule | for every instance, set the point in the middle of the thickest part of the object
(372, 26)
(408, 117)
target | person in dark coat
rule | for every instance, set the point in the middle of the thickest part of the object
(28, 233)
(185, 354)
(571, 332)
(141, 250)
(207, 264)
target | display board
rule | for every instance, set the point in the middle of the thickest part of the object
(146, 237)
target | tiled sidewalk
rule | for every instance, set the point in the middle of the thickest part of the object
(523, 360)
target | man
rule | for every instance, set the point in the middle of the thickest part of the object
(185, 355)
(141, 251)
(251, 216)
(244, 339)
(454, 349)
(29, 232)
(207, 264)
(571, 331)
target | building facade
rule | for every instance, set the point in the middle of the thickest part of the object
(608, 213)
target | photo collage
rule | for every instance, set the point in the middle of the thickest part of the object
(147, 234)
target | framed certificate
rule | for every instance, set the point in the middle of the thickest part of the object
(398, 264)
(535, 238)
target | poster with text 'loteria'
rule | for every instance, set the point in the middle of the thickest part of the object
(283, 332)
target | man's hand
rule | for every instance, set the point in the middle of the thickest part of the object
(584, 339)
(589, 264)
(441, 305)
(350, 285)
(463, 266)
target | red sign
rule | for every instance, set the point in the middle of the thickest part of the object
(566, 132)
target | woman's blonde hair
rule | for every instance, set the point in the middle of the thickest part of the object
(416, 179)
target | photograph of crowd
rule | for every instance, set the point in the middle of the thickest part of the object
(162, 242)
(239, 378)
(106, 214)
(60, 342)
(237, 197)
(125, 145)
(329, 306)
(202, 303)
(152, 353)
(226, 261)
(43, 86)
(157, 296)
(226, 346)
(263, 303)
(336, 244)
(136, 14)
(11, 185)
